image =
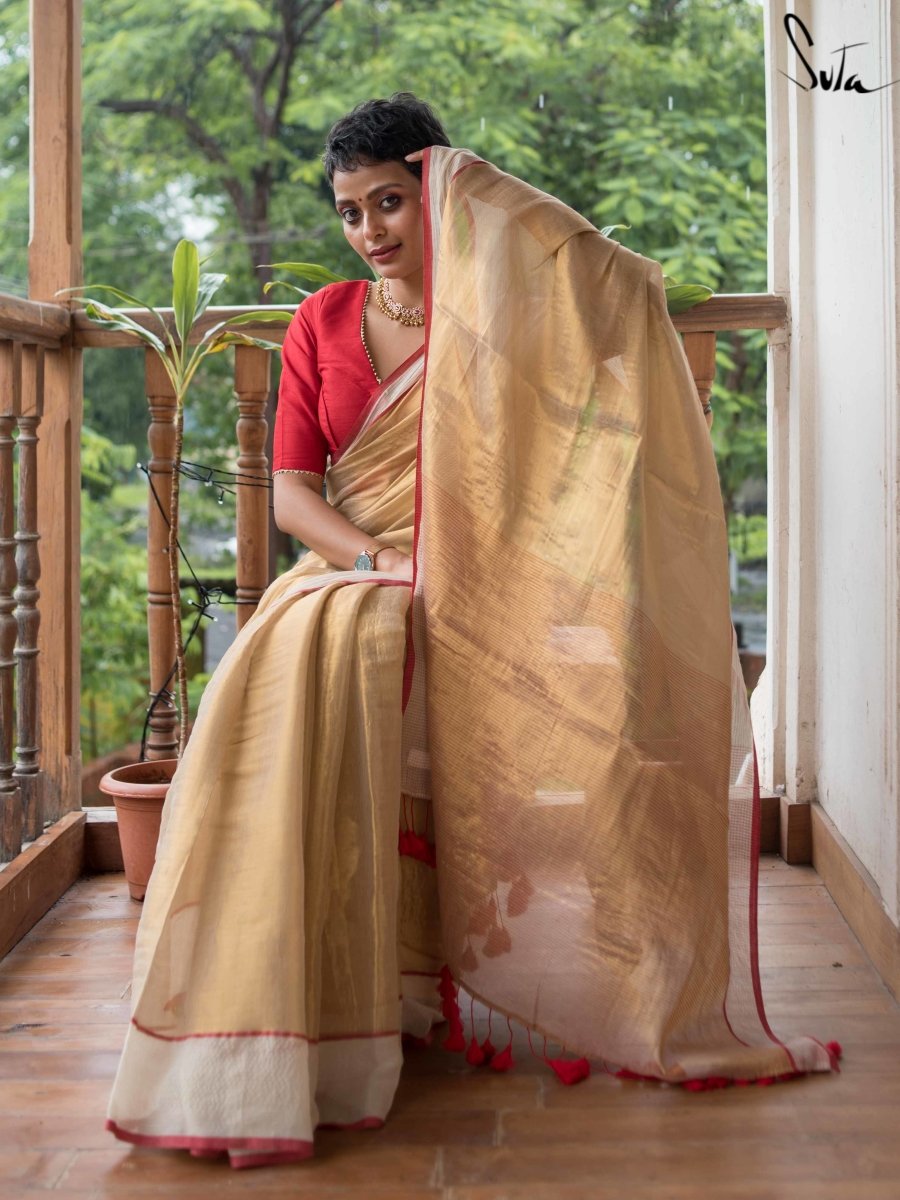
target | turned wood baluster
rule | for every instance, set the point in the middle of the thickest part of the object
(10, 404)
(700, 348)
(251, 386)
(162, 739)
(28, 617)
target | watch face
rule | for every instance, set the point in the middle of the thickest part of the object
(364, 562)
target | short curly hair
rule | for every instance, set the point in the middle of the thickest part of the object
(382, 131)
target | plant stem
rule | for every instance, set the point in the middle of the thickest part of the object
(174, 574)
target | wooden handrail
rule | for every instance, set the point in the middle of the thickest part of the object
(33, 322)
(752, 310)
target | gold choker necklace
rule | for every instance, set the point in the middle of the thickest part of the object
(397, 312)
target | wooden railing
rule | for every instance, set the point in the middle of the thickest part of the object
(29, 330)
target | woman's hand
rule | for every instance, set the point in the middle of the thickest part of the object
(394, 560)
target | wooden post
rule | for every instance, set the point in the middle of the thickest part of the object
(251, 386)
(54, 263)
(10, 406)
(162, 741)
(700, 348)
(28, 618)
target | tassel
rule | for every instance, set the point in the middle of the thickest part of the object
(519, 895)
(456, 1038)
(503, 1061)
(835, 1049)
(469, 959)
(709, 1084)
(497, 942)
(570, 1071)
(446, 987)
(415, 845)
(475, 1055)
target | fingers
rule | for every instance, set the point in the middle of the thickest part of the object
(416, 156)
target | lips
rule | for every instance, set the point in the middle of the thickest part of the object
(384, 252)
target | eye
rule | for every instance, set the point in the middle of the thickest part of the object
(349, 215)
(391, 201)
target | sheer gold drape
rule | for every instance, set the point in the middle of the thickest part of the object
(591, 760)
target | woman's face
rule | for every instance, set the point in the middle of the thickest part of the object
(380, 207)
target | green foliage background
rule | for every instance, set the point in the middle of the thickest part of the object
(206, 118)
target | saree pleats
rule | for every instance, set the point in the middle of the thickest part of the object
(589, 747)
(266, 990)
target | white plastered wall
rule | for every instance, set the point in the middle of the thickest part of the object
(826, 711)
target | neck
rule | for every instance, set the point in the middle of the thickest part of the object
(410, 292)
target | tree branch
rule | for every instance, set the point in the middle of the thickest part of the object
(204, 141)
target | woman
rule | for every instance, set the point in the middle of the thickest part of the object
(512, 639)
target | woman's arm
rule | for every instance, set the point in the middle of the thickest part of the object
(302, 510)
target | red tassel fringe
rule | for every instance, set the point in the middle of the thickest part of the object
(503, 1061)
(572, 1071)
(711, 1082)
(415, 845)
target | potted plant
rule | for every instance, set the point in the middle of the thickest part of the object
(139, 789)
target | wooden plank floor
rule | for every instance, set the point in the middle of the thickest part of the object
(462, 1134)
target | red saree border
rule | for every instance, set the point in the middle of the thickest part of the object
(298, 1147)
(270, 1033)
(270, 1151)
(374, 397)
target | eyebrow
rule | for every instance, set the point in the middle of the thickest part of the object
(380, 187)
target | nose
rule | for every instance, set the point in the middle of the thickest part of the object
(373, 225)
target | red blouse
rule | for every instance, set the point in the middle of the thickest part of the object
(326, 377)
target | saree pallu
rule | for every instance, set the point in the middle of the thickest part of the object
(553, 716)
(590, 755)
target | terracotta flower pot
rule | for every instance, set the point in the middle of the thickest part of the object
(139, 792)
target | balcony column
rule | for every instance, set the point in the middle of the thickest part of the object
(54, 263)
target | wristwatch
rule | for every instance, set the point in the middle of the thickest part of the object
(365, 560)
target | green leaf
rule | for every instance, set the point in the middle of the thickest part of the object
(209, 285)
(248, 318)
(312, 272)
(241, 339)
(84, 293)
(185, 287)
(274, 283)
(114, 318)
(262, 314)
(607, 229)
(686, 295)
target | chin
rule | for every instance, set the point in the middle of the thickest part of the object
(396, 270)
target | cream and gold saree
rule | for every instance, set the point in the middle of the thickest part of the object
(552, 719)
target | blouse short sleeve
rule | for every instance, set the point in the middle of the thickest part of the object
(299, 443)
